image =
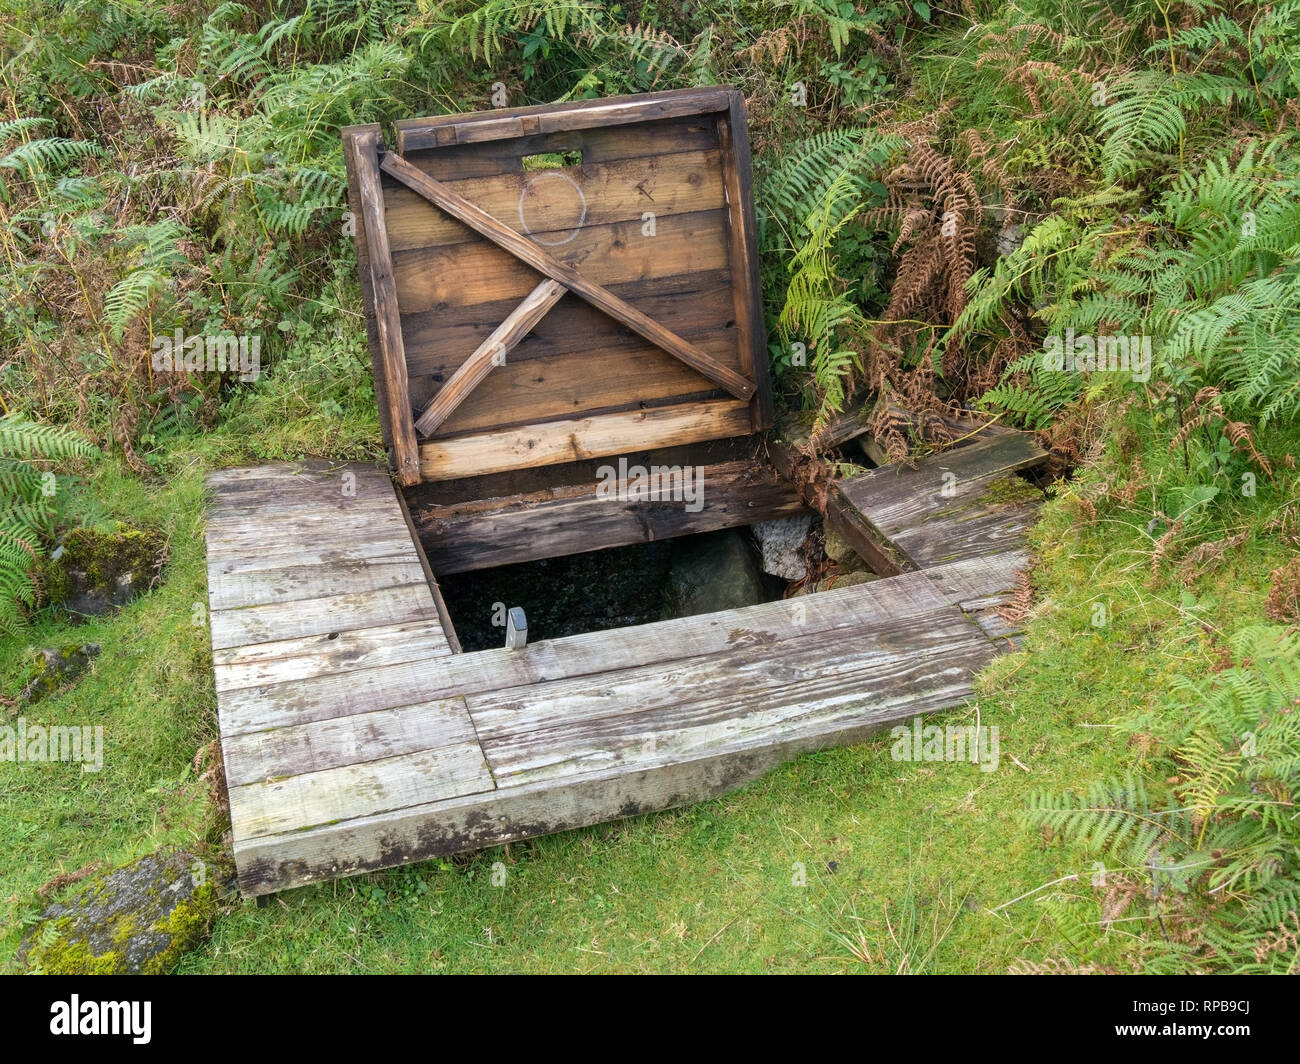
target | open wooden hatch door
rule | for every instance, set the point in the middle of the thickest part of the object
(550, 284)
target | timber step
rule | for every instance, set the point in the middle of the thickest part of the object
(964, 502)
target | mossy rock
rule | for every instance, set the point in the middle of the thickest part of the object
(839, 551)
(52, 667)
(137, 919)
(712, 572)
(1010, 490)
(835, 580)
(99, 568)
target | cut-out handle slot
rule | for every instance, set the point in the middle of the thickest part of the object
(552, 160)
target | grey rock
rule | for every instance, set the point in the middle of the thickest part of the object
(52, 667)
(839, 551)
(713, 572)
(140, 918)
(780, 543)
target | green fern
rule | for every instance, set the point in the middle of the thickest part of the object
(27, 507)
(155, 253)
(1231, 833)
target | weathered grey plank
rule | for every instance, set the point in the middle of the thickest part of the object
(977, 532)
(294, 803)
(287, 530)
(897, 495)
(975, 578)
(750, 696)
(767, 625)
(277, 553)
(296, 582)
(319, 616)
(326, 695)
(284, 660)
(255, 757)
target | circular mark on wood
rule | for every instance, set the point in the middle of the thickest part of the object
(556, 196)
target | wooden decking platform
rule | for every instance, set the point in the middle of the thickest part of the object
(357, 737)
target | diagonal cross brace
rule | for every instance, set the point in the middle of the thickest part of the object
(491, 352)
(536, 257)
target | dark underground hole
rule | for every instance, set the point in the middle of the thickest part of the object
(614, 588)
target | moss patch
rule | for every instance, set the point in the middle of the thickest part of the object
(101, 567)
(138, 919)
(52, 667)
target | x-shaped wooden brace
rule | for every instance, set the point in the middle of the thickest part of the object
(515, 327)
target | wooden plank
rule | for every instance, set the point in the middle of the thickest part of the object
(573, 520)
(811, 685)
(231, 516)
(288, 531)
(737, 173)
(531, 391)
(293, 583)
(355, 138)
(942, 509)
(276, 553)
(976, 578)
(320, 616)
(296, 750)
(448, 628)
(696, 304)
(284, 660)
(975, 532)
(486, 491)
(898, 496)
(387, 313)
(331, 494)
(860, 607)
(550, 204)
(417, 134)
(315, 798)
(597, 146)
(433, 279)
(490, 353)
(591, 437)
(327, 695)
(542, 261)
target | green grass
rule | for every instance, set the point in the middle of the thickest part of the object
(150, 690)
(908, 866)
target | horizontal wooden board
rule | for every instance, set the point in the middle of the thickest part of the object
(509, 123)
(288, 660)
(644, 717)
(611, 144)
(900, 496)
(276, 549)
(434, 278)
(322, 615)
(591, 437)
(576, 519)
(695, 304)
(381, 734)
(552, 204)
(292, 583)
(321, 797)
